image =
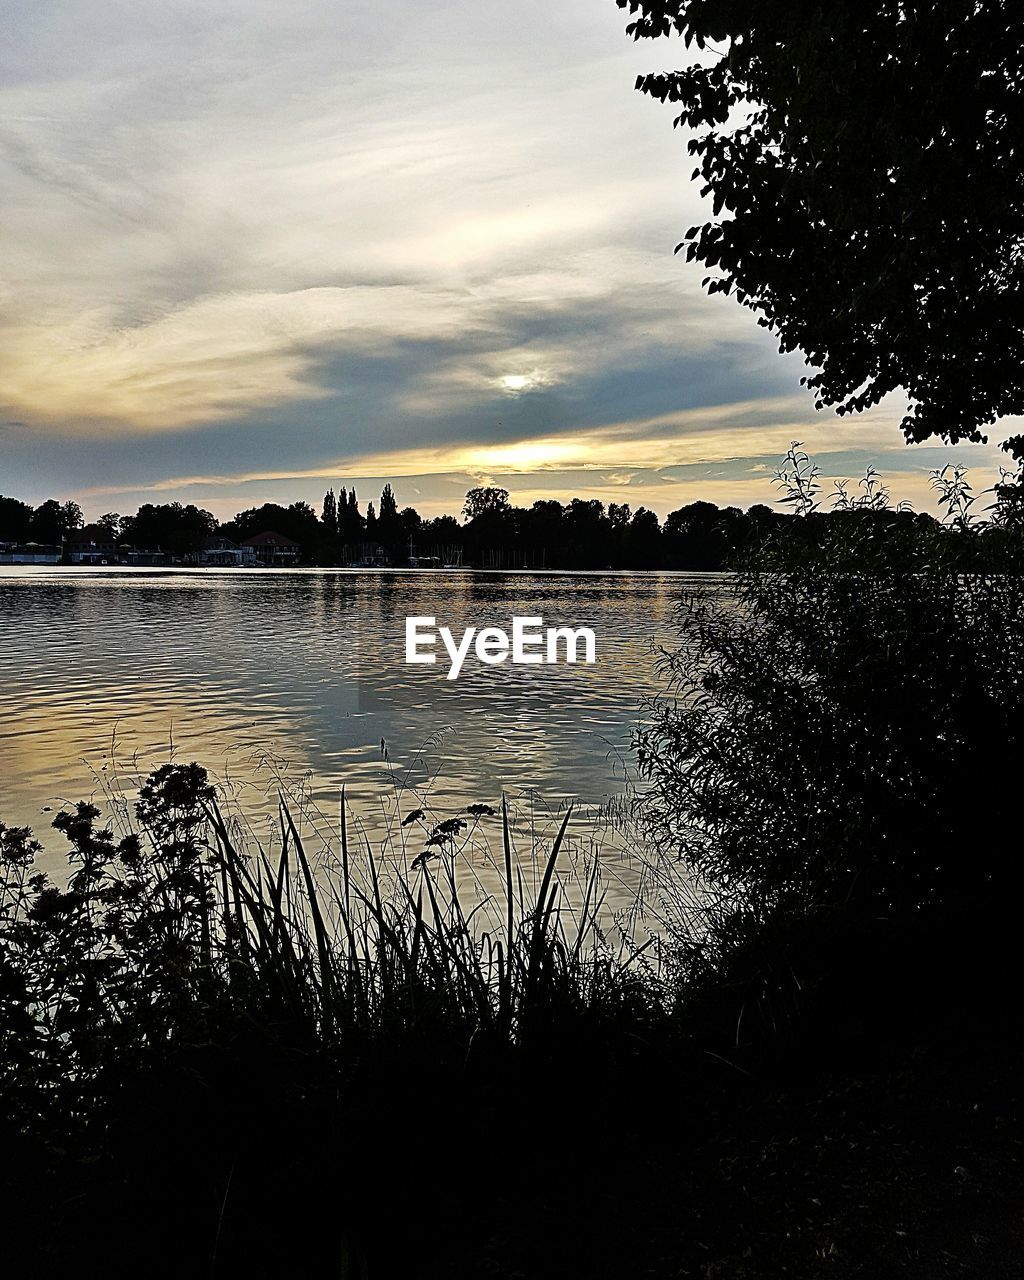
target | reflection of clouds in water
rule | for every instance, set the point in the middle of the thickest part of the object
(262, 676)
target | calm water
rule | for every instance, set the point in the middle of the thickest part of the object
(264, 676)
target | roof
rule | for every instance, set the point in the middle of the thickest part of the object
(268, 539)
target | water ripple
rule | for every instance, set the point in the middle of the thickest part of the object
(123, 669)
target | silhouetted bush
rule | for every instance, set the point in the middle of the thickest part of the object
(202, 1043)
(843, 732)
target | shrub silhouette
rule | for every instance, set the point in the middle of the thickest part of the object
(843, 730)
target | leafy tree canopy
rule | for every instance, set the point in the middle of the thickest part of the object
(110, 523)
(171, 525)
(485, 501)
(868, 196)
(329, 518)
(15, 519)
(53, 521)
(388, 504)
(297, 521)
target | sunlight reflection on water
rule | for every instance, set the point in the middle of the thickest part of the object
(263, 676)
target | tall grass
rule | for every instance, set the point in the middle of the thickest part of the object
(194, 1011)
(356, 952)
(182, 923)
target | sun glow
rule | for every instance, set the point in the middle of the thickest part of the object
(529, 455)
(514, 383)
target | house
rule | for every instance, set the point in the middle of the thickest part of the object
(29, 553)
(227, 554)
(272, 548)
(93, 545)
(148, 556)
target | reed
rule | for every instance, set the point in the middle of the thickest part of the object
(362, 950)
(193, 1008)
(188, 919)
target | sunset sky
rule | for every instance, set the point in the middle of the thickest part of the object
(252, 250)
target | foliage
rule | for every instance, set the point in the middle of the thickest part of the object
(846, 719)
(162, 933)
(329, 514)
(50, 523)
(15, 520)
(171, 526)
(297, 521)
(109, 525)
(483, 502)
(867, 192)
(843, 724)
(388, 505)
(579, 534)
(53, 521)
(111, 966)
(798, 476)
(201, 1031)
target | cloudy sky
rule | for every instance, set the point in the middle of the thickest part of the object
(252, 250)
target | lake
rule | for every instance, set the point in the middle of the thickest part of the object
(298, 678)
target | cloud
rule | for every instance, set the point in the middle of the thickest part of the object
(209, 360)
(198, 224)
(252, 245)
(727, 451)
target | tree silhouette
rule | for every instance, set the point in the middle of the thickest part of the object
(483, 502)
(330, 514)
(868, 197)
(351, 525)
(171, 526)
(53, 521)
(15, 519)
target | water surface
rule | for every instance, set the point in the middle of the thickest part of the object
(266, 676)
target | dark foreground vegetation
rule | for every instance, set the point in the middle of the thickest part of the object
(307, 1062)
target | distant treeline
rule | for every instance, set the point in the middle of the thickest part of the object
(579, 534)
